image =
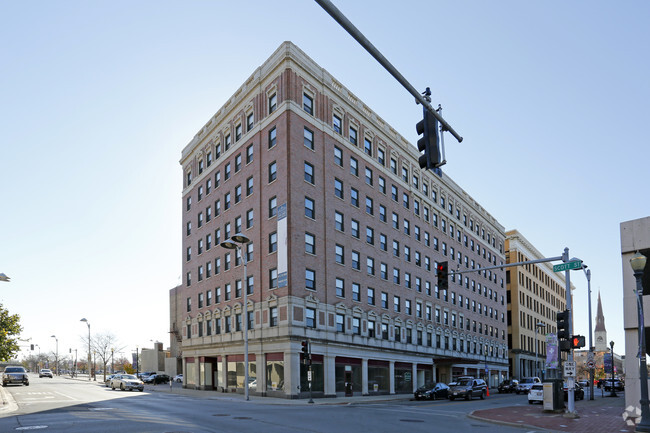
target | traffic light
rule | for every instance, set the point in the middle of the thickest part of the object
(442, 273)
(305, 352)
(578, 341)
(428, 127)
(563, 330)
(31, 346)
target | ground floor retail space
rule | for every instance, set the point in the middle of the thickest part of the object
(286, 374)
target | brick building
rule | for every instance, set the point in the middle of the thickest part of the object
(345, 231)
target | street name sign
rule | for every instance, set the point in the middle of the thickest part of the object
(576, 264)
(569, 369)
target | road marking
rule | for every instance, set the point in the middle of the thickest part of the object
(32, 427)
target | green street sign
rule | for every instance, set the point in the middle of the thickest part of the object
(576, 264)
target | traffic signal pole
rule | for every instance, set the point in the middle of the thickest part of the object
(571, 410)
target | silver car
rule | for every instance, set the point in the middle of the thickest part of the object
(126, 381)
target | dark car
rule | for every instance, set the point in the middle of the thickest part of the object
(157, 378)
(145, 374)
(508, 385)
(578, 392)
(467, 388)
(432, 391)
(15, 374)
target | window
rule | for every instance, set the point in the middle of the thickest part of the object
(249, 218)
(237, 162)
(249, 154)
(396, 276)
(273, 171)
(310, 208)
(383, 271)
(273, 278)
(309, 173)
(339, 254)
(309, 138)
(227, 146)
(273, 206)
(200, 193)
(310, 243)
(310, 316)
(356, 325)
(273, 242)
(383, 242)
(396, 304)
(273, 134)
(371, 296)
(200, 166)
(407, 307)
(396, 248)
(308, 103)
(384, 331)
(367, 146)
(189, 304)
(370, 266)
(368, 176)
(353, 136)
(273, 316)
(356, 264)
(340, 287)
(356, 292)
(338, 188)
(249, 186)
(237, 193)
(354, 197)
(354, 166)
(338, 156)
(381, 156)
(340, 321)
(382, 185)
(310, 279)
(339, 221)
(189, 254)
(273, 103)
(395, 221)
(238, 130)
(384, 300)
(226, 174)
(369, 206)
(382, 213)
(217, 179)
(249, 122)
(393, 192)
(189, 203)
(371, 328)
(337, 124)
(355, 228)
(226, 201)
(393, 166)
(208, 186)
(370, 235)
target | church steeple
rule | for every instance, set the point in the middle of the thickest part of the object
(600, 332)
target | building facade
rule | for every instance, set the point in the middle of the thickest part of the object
(635, 237)
(345, 233)
(535, 294)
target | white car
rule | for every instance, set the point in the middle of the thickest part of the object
(126, 382)
(536, 393)
(178, 378)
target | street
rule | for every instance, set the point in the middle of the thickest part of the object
(65, 405)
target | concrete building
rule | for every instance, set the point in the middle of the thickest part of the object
(535, 294)
(346, 231)
(635, 237)
(154, 359)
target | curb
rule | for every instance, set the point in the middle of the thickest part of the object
(507, 423)
(8, 402)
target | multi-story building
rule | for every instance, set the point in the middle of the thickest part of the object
(635, 238)
(345, 233)
(535, 294)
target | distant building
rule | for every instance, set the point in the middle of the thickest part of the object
(535, 294)
(635, 237)
(346, 231)
(153, 359)
(600, 333)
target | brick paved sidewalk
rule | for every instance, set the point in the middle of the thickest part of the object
(595, 416)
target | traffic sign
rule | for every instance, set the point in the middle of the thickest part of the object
(591, 364)
(569, 369)
(576, 264)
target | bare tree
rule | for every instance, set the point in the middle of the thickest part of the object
(104, 345)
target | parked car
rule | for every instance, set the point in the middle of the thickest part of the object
(126, 381)
(145, 374)
(578, 392)
(45, 372)
(432, 391)
(536, 393)
(107, 382)
(157, 378)
(467, 388)
(618, 385)
(178, 378)
(525, 384)
(15, 374)
(583, 383)
(508, 385)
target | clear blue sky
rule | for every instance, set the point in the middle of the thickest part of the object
(99, 98)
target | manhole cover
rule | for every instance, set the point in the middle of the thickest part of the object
(412, 420)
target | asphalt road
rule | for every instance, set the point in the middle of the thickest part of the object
(63, 405)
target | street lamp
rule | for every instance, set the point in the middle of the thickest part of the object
(38, 360)
(638, 262)
(89, 360)
(537, 325)
(590, 355)
(235, 243)
(4, 278)
(56, 359)
(611, 346)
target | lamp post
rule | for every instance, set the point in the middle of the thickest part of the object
(112, 364)
(611, 346)
(591, 344)
(89, 360)
(638, 263)
(235, 243)
(74, 371)
(537, 325)
(38, 360)
(56, 358)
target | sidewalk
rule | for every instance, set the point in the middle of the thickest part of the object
(603, 414)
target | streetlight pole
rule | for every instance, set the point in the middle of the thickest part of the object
(235, 243)
(590, 356)
(638, 263)
(613, 394)
(89, 360)
(112, 364)
(56, 358)
(537, 325)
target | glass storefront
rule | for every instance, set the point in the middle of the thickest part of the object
(403, 378)
(317, 375)
(235, 371)
(275, 372)
(378, 377)
(348, 371)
